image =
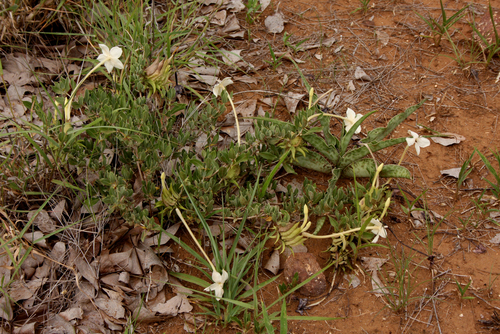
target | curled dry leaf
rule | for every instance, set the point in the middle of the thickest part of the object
(273, 264)
(360, 74)
(451, 139)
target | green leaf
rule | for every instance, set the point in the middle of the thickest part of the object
(347, 136)
(318, 143)
(314, 161)
(363, 151)
(367, 168)
(268, 156)
(283, 319)
(380, 133)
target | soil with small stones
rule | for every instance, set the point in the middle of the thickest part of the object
(462, 99)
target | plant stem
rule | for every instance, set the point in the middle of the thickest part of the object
(67, 107)
(235, 118)
(309, 235)
(194, 239)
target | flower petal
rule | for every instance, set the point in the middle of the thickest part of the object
(423, 142)
(224, 276)
(350, 114)
(116, 52)
(116, 63)
(410, 141)
(216, 277)
(417, 148)
(108, 66)
(226, 82)
(105, 49)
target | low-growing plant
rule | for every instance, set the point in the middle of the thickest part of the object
(295, 47)
(490, 47)
(253, 7)
(364, 7)
(464, 172)
(462, 290)
(495, 185)
(440, 27)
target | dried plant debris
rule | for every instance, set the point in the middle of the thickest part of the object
(493, 324)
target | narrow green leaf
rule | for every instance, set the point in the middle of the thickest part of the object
(363, 151)
(347, 137)
(318, 143)
(380, 133)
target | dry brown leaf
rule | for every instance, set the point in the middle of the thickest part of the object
(232, 24)
(147, 257)
(452, 139)
(57, 324)
(174, 306)
(36, 238)
(42, 220)
(264, 4)
(26, 329)
(373, 263)
(360, 74)
(292, 100)
(58, 210)
(127, 261)
(219, 18)
(383, 37)
(235, 5)
(231, 57)
(72, 313)
(87, 271)
(247, 108)
(113, 308)
(245, 79)
(113, 281)
(153, 241)
(453, 172)
(275, 23)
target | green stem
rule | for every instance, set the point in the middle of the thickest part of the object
(67, 107)
(194, 239)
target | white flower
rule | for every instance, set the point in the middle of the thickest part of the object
(218, 285)
(351, 119)
(379, 231)
(110, 57)
(222, 86)
(417, 140)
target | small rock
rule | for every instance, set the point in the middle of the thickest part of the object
(305, 265)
